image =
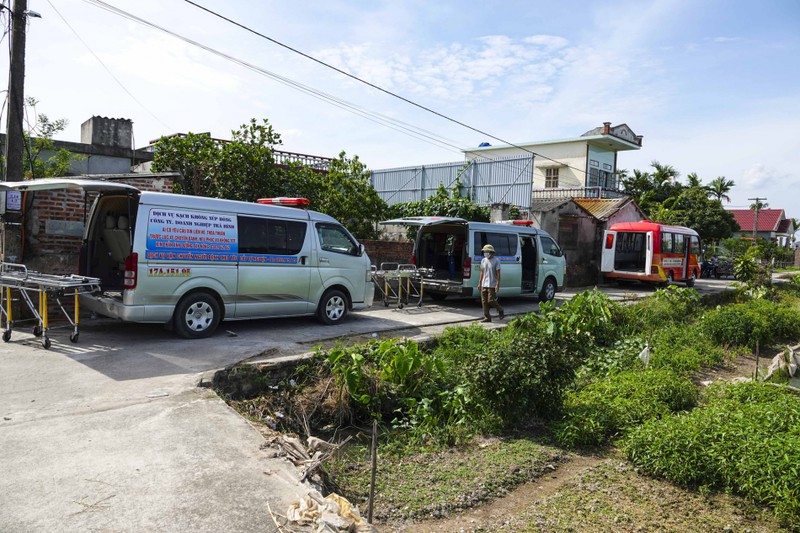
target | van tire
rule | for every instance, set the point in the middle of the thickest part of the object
(332, 307)
(548, 290)
(197, 315)
(691, 279)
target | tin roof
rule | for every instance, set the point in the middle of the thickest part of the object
(542, 206)
(602, 208)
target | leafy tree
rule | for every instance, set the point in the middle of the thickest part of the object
(719, 188)
(39, 141)
(693, 180)
(706, 216)
(244, 169)
(345, 193)
(443, 204)
(758, 205)
(649, 189)
(194, 157)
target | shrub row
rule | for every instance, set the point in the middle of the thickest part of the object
(757, 321)
(745, 439)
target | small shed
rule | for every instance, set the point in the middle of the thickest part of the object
(578, 225)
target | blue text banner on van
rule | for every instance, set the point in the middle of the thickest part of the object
(191, 236)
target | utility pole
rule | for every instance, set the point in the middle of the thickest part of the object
(15, 139)
(756, 205)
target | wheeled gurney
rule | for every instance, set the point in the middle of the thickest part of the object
(26, 283)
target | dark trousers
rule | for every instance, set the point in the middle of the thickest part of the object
(489, 299)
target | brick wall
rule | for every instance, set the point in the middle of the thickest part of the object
(54, 222)
(388, 251)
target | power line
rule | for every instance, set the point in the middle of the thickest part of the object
(376, 87)
(122, 85)
(397, 125)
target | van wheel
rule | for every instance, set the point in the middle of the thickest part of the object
(548, 290)
(690, 281)
(332, 308)
(196, 316)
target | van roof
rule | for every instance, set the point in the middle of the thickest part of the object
(481, 226)
(230, 206)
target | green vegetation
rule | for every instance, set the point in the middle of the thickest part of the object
(608, 407)
(454, 479)
(244, 168)
(588, 374)
(745, 439)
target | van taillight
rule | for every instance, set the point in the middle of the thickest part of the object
(467, 268)
(413, 259)
(609, 241)
(131, 267)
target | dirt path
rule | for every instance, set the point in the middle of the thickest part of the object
(493, 515)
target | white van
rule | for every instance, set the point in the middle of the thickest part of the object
(191, 262)
(448, 252)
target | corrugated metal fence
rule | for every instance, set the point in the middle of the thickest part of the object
(501, 180)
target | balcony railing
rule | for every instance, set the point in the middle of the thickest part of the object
(576, 192)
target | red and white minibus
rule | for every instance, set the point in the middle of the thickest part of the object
(651, 252)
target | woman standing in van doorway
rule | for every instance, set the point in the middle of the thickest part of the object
(489, 283)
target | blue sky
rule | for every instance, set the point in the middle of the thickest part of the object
(713, 86)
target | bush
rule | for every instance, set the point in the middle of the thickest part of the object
(612, 405)
(622, 355)
(745, 439)
(521, 374)
(671, 305)
(755, 321)
(684, 348)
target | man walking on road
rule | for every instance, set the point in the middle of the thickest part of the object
(489, 283)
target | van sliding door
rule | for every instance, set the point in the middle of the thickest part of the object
(274, 271)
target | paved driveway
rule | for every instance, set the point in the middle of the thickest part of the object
(113, 434)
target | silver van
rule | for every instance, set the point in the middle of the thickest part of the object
(192, 262)
(448, 252)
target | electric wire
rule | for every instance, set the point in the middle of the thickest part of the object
(376, 87)
(108, 70)
(397, 125)
(380, 119)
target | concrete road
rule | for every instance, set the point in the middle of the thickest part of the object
(113, 433)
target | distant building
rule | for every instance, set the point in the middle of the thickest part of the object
(580, 167)
(578, 225)
(772, 225)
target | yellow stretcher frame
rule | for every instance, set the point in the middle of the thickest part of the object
(399, 283)
(48, 287)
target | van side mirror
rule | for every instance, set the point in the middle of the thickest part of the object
(361, 250)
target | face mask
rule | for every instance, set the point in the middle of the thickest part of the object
(487, 254)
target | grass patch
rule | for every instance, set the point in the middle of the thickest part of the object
(612, 496)
(436, 483)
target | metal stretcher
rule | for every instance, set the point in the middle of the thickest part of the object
(398, 283)
(46, 287)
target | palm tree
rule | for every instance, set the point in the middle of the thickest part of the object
(693, 180)
(664, 174)
(758, 205)
(719, 188)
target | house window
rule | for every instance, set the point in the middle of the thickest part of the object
(594, 177)
(550, 178)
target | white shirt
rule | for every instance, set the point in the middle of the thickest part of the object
(489, 268)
